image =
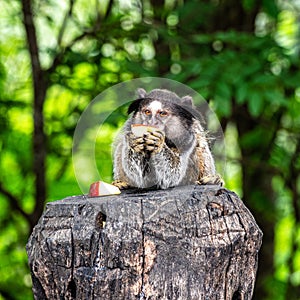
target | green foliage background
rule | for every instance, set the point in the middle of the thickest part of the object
(242, 56)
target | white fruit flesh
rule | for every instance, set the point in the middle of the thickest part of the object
(140, 130)
(101, 188)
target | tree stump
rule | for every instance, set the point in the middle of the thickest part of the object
(189, 242)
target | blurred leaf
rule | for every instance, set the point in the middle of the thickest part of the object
(241, 93)
(291, 80)
(255, 103)
(223, 90)
(275, 96)
(248, 4)
(222, 106)
(271, 8)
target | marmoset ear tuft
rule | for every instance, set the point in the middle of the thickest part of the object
(134, 106)
(141, 93)
(187, 100)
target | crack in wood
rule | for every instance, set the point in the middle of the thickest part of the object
(142, 294)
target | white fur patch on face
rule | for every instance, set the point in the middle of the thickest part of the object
(155, 106)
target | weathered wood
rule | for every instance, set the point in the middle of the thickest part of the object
(191, 242)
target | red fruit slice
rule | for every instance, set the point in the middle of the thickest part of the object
(100, 188)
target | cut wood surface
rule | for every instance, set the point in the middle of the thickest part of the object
(190, 242)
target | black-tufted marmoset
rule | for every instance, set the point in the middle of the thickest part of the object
(175, 153)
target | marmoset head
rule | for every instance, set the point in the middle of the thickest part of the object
(165, 110)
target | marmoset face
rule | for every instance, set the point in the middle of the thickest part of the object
(164, 115)
(155, 114)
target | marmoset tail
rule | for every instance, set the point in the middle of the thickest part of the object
(174, 152)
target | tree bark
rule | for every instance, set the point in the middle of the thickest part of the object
(191, 242)
(39, 92)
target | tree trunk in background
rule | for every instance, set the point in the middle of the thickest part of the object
(39, 94)
(258, 185)
(190, 242)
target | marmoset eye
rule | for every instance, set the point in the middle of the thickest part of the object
(163, 113)
(147, 112)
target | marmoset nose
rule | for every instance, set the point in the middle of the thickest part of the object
(154, 121)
